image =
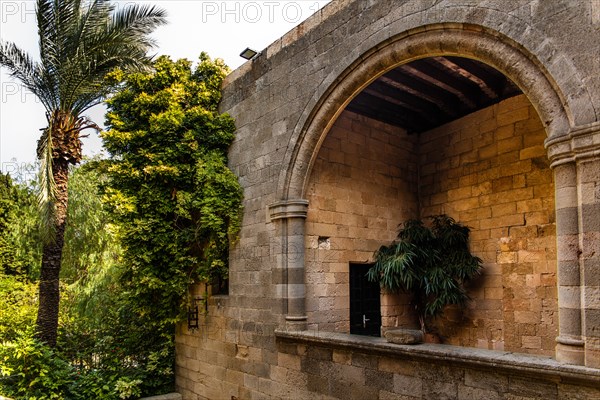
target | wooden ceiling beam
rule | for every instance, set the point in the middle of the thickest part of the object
(425, 108)
(427, 93)
(376, 108)
(499, 82)
(486, 89)
(433, 76)
(447, 102)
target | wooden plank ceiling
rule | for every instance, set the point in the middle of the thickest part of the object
(430, 92)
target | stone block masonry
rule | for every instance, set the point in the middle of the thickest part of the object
(361, 188)
(339, 366)
(486, 171)
(489, 171)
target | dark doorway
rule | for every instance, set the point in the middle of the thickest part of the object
(365, 304)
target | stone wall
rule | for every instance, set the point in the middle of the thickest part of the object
(489, 171)
(362, 186)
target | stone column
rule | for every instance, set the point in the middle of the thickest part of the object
(570, 345)
(589, 243)
(291, 215)
(575, 158)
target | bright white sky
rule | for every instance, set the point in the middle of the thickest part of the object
(221, 28)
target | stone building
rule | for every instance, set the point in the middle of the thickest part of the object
(375, 111)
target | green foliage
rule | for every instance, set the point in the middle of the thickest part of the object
(100, 354)
(432, 263)
(176, 201)
(115, 357)
(175, 207)
(91, 243)
(7, 204)
(28, 369)
(18, 305)
(20, 247)
(32, 371)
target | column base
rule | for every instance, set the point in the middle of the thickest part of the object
(570, 351)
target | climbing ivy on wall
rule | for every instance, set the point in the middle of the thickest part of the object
(176, 203)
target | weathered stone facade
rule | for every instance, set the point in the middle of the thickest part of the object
(325, 187)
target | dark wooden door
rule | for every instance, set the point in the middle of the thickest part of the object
(365, 303)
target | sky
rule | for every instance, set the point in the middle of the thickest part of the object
(221, 28)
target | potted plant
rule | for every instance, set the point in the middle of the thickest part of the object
(430, 262)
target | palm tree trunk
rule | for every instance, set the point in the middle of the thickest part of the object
(49, 292)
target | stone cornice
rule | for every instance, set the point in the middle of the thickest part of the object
(295, 208)
(579, 144)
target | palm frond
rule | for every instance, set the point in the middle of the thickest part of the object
(106, 40)
(45, 23)
(19, 63)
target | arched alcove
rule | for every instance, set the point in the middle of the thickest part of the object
(487, 168)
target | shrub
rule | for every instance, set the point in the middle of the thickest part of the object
(431, 262)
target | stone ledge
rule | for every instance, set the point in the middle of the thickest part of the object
(581, 143)
(513, 363)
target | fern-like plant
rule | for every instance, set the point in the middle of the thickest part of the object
(430, 262)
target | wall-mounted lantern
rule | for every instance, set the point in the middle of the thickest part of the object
(194, 312)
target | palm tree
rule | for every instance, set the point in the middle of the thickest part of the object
(82, 45)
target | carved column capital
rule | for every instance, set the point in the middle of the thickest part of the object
(295, 208)
(580, 143)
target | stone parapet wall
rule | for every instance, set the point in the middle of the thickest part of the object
(338, 366)
(315, 365)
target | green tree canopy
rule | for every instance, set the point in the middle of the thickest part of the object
(175, 201)
(20, 247)
(8, 202)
